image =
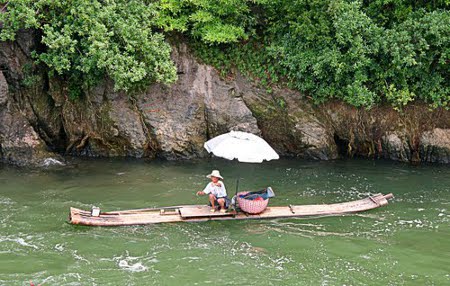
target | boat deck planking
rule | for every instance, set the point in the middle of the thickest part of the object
(200, 211)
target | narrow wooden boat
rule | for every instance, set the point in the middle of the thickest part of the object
(199, 213)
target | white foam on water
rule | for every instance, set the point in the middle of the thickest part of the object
(19, 240)
(136, 267)
(405, 222)
(417, 223)
(6, 201)
(280, 261)
(52, 162)
(191, 258)
(136, 263)
(79, 257)
(59, 247)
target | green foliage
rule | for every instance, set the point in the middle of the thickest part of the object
(211, 21)
(359, 51)
(30, 79)
(281, 102)
(416, 57)
(363, 53)
(398, 98)
(93, 38)
(388, 13)
(327, 50)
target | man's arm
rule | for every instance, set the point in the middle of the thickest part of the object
(205, 191)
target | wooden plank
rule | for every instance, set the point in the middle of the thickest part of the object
(335, 208)
(147, 209)
(84, 218)
(200, 211)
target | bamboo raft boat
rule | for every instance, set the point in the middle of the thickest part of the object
(200, 213)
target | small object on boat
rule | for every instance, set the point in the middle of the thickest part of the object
(95, 211)
(198, 213)
(262, 194)
(292, 209)
(252, 204)
(270, 192)
(169, 211)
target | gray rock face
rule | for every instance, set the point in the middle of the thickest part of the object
(104, 124)
(435, 145)
(3, 101)
(174, 121)
(3, 90)
(128, 124)
(196, 108)
(20, 144)
(396, 148)
(167, 121)
(15, 55)
(288, 124)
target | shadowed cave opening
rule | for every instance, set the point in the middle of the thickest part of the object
(342, 145)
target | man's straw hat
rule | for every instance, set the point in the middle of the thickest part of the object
(215, 173)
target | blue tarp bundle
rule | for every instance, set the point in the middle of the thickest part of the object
(265, 194)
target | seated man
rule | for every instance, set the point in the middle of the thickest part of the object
(217, 192)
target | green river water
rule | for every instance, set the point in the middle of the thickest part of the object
(404, 243)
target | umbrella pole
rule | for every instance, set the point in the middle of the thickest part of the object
(235, 196)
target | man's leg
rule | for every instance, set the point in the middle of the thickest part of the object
(212, 200)
(221, 202)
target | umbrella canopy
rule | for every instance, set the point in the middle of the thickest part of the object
(243, 146)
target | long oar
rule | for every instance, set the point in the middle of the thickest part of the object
(143, 210)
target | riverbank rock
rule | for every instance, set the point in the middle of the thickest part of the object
(196, 108)
(3, 90)
(382, 132)
(171, 122)
(19, 143)
(38, 120)
(103, 123)
(288, 123)
(396, 147)
(435, 145)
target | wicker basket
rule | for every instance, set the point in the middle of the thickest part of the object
(251, 206)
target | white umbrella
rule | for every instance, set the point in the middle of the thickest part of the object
(245, 147)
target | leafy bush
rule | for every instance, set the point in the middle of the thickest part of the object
(362, 52)
(87, 39)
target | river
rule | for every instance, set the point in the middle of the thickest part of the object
(404, 243)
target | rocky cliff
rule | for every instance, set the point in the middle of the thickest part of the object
(39, 123)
